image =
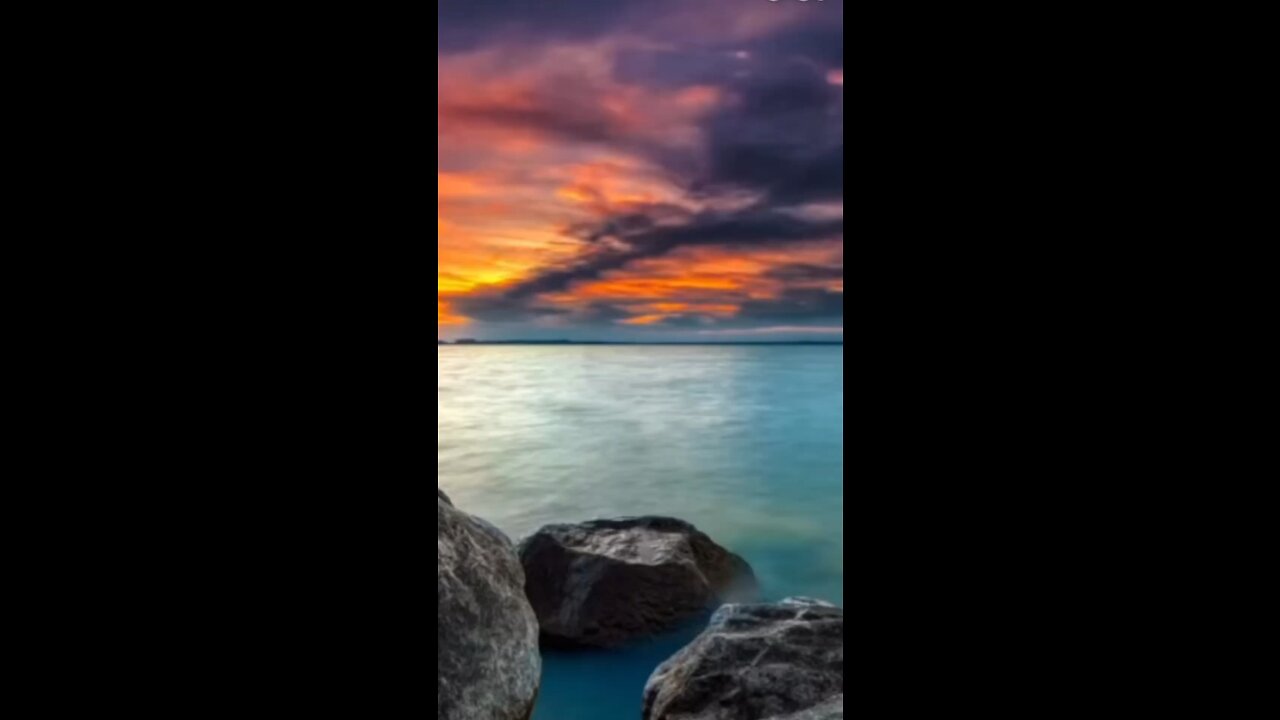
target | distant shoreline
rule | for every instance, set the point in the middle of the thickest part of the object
(477, 343)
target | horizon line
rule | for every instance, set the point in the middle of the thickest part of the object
(465, 342)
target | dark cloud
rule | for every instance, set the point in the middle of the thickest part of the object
(465, 24)
(504, 309)
(782, 130)
(784, 137)
(679, 69)
(500, 309)
(808, 273)
(821, 42)
(751, 228)
(565, 117)
(796, 305)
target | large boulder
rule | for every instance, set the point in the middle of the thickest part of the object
(441, 496)
(756, 662)
(604, 583)
(488, 666)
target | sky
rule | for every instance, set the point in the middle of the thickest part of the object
(632, 170)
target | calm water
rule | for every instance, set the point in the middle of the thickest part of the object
(745, 442)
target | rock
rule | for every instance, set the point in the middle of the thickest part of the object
(488, 666)
(604, 583)
(441, 496)
(756, 662)
(830, 710)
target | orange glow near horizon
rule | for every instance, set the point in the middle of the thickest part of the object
(446, 317)
(708, 283)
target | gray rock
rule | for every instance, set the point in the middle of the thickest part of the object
(441, 496)
(604, 583)
(756, 662)
(806, 602)
(488, 666)
(830, 710)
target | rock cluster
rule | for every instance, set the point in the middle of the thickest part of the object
(608, 582)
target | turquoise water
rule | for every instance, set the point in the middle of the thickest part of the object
(746, 442)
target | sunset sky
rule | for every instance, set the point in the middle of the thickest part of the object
(640, 169)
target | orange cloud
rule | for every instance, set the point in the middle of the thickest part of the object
(615, 184)
(644, 320)
(708, 283)
(446, 316)
(538, 99)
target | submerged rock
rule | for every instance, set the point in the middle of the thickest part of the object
(488, 666)
(756, 662)
(604, 583)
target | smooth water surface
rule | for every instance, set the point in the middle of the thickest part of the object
(746, 442)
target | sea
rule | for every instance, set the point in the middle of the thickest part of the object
(744, 441)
